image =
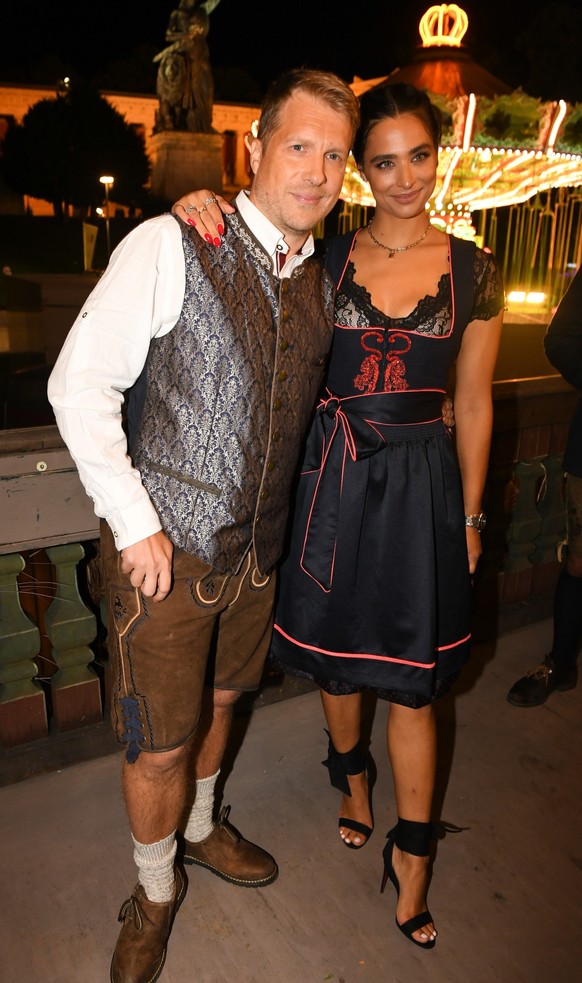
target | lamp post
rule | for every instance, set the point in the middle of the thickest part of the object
(107, 181)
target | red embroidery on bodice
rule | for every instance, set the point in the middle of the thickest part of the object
(395, 371)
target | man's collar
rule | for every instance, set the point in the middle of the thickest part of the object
(270, 237)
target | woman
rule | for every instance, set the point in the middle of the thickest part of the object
(375, 589)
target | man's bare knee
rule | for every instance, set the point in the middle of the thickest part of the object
(160, 763)
(224, 699)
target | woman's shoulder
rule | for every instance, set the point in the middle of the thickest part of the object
(488, 284)
(483, 261)
(334, 242)
(484, 256)
(333, 251)
(485, 265)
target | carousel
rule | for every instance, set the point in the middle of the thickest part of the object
(510, 166)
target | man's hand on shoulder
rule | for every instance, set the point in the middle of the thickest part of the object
(148, 565)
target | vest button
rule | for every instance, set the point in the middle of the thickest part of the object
(284, 345)
(270, 465)
(265, 493)
(276, 436)
(285, 315)
(277, 404)
(282, 375)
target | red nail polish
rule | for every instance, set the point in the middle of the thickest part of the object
(216, 241)
(208, 237)
(191, 222)
(220, 229)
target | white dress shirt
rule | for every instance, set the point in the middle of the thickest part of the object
(139, 297)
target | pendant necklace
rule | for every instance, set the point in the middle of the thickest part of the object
(397, 249)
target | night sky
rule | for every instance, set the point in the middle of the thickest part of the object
(365, 38)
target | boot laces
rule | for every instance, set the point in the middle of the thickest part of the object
(131, 910)
(542, 672)
(226, 826)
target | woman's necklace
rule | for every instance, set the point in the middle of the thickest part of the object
(397, 249)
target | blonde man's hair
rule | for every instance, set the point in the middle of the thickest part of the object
(330, 88)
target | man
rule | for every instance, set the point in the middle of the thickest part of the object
(559, 671)
(222, 352)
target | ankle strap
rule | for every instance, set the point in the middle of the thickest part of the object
(412, 837)
(342, 764)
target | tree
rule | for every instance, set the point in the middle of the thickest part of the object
(64, 144)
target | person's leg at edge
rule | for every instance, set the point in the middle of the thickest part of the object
(343, 715)
(568, 593)
(412, 747)
(568, 614)
(559, 671)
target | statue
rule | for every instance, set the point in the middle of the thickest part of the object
(185, 86)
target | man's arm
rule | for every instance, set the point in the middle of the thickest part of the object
(139, 297)
(563, 340)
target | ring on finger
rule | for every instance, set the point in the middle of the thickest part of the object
(200, 210)
(209, 201)
(190, 208)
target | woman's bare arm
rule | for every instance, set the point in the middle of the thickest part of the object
(473, 407)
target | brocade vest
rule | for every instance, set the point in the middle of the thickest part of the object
(217, 418)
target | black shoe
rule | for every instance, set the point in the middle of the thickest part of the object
(340, 767)
(414, 838)
(534, 688)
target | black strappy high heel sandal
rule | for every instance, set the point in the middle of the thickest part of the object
(414, 838)
(340, 766)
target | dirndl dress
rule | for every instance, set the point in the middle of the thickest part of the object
(375, 590)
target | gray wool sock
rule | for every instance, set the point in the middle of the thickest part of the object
(155, 864)
(200, 822)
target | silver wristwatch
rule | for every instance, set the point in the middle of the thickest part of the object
(478, 521)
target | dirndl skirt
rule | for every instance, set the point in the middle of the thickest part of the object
(375, 590)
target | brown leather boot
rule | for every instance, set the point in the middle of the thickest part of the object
(226, 853)
(140, 952)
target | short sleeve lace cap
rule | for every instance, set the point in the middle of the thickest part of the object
(489, 290)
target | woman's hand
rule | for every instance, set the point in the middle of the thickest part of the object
(448, 412)
(474, 548)
(203, 210)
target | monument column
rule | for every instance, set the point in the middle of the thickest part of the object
(182, 161)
